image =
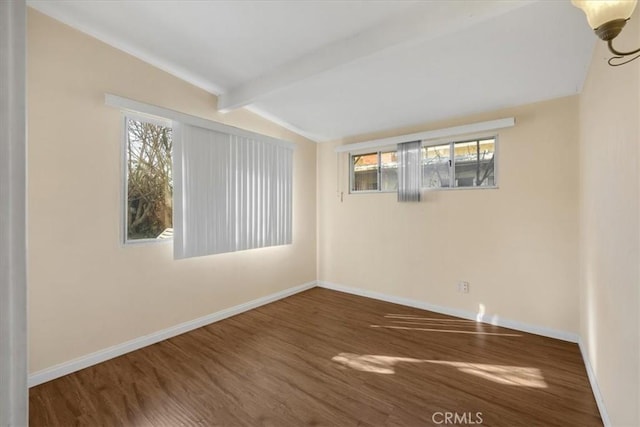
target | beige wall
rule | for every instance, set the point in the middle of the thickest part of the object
(609, 227)
(516, 245)
(87, 291)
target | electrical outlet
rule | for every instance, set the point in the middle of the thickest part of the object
(463, 287)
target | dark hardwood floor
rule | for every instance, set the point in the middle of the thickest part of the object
(327, 358)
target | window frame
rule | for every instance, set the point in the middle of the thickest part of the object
(430, 143)
(452, 162)
(352, 171)
(124, 200)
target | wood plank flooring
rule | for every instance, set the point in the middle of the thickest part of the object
(325, 358)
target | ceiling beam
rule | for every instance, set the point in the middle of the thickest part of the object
(417, 23)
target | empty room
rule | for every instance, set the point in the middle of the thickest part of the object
(331, 213)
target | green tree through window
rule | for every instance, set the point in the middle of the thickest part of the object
(149, 183)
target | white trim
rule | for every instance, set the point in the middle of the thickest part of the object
(430, 135)
(141, 117)
(505, 323)
(82, 362)
(461, 138)
(594, 384)
(137, 107)
(14, 398)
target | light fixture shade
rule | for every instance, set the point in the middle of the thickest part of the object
(602, 11)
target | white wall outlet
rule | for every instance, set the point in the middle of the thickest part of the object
(463, 287)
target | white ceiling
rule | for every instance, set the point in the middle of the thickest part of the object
(331, 69)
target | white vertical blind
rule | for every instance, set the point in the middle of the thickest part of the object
(409, 171)
(231, 192)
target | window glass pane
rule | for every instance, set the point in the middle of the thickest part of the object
(149, 183)
(435, 166)
(389, 171)
(474, 165)
(365, 172)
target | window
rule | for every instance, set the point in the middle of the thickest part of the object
(149, 186)
(436, 166)
(389, 171)
(365, 172)
(374, 171)
(459, 164)
(233, 188)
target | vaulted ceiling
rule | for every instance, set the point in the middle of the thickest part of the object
(331, 69)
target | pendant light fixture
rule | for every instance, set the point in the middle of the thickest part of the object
(608, 18)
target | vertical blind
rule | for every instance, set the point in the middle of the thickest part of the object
(409, 171)
(231, 192)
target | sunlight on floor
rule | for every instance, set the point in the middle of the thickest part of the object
(434, 319)
(502, 374)
(446, 330)
(372, 363)
(437, 324)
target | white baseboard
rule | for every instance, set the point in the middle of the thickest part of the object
(511, 324)
(118, 350)
(594, 384)
(506, 323)
(82, 362)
